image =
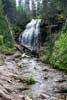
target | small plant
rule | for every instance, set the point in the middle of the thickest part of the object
(30, 80)
(17, 78)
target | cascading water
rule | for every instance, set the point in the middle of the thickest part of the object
(30, 37)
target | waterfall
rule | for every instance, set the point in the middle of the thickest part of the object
(30, 37)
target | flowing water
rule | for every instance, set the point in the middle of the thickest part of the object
(29, 38)
(50, 83)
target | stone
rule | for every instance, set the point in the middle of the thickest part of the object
(4, 96)
(24, 97)
(43, 96)
(23, 88)
(46, 76)
(45, 69)
(62, 97)
(24, 55)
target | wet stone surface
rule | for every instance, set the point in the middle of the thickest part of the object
(14, 74)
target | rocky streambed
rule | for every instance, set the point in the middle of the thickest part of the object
(23, 77)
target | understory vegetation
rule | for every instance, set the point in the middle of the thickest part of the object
(56, 53)
(6, 41)
(59, 55)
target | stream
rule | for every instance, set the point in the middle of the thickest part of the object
(50, 84)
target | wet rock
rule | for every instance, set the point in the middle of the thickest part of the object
(19, 78)
(20, 65)
(60, 88)
(4, 96)
(61, 80)
(24, 55)
(23, 88)
(43, 96)
(45, 70)
(8, 89)
(24, 97)
(62, 97)
(35, 68)
(46, 76)
(17, 55)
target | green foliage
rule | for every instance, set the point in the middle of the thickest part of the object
(64, 29)
(30, 80)
(1, 40)
(7, 50)
(59, 55)
(6, 40)
(16, 29)
(9, 7)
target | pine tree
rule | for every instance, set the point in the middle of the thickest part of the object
(10, 9)
(4, 30)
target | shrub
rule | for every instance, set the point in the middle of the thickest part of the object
(59, 55)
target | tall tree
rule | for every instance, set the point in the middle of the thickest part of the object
(10, 9)
(4, 30)
(39, 7)
(33, 8)
(45, 8)
(27, 6)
